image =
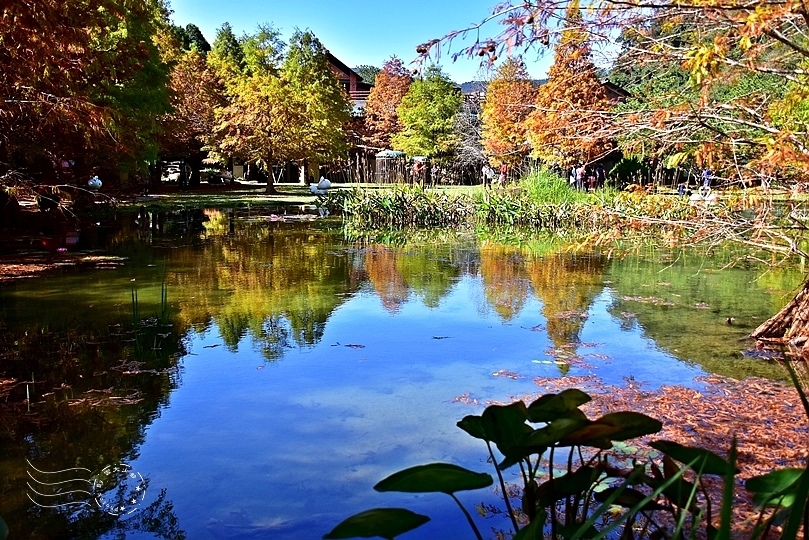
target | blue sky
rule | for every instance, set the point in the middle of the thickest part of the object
(360, 31)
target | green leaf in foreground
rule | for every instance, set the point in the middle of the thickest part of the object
(700, 460)
(383, 522)
(552, 407)
(434, 478)
(776, 488)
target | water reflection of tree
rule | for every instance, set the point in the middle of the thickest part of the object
(381, 264)
(430, 272)
(276, 282)
(94, 392)
(567, 284)
(692, 324)
(422, 270)
(505, 282)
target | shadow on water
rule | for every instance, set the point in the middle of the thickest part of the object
(281, 320)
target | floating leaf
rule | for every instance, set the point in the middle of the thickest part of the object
(384, 522)
(434, 478)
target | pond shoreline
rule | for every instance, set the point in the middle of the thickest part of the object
(21, 257)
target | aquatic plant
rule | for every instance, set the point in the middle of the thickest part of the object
(604, 487)
(540, 200)
(401, 206)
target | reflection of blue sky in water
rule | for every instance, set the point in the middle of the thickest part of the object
(250, 449)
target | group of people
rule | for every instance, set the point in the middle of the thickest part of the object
(584, 177)
(488, 174)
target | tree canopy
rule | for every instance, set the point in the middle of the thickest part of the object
(567, 125)
(742, 111)
(82, 81)
(381, 116)
(509, 100)
(293, 112)
(427, 113)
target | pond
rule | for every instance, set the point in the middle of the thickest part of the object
(239, 374)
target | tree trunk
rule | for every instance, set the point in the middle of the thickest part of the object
(790, 326)
(270, 180)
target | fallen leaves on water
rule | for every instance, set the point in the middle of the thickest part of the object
(465, 398)
(766, 417)
(507, 374)
(571, 314)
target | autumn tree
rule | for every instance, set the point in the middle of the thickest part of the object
(82, 81)
(324, 104)
(566, 126)
(381, 119)
(427, 113)
(196, 94)
(293, 112)
(509, 101)
(740, 111)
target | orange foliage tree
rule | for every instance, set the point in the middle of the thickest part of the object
(509, 101)
(566, 127)
(742, 108)
(381, 118)
(82, 81)
(196, 93)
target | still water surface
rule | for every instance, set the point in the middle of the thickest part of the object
(258, 376)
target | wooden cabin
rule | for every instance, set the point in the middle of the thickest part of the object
(351, 81)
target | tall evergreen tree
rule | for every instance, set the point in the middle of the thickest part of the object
(263, 50)
(196, 40)
(226, 55)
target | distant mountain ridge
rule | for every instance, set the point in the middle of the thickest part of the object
(470, 87)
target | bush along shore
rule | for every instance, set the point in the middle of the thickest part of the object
(544, 201)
